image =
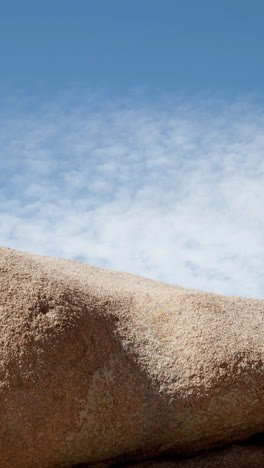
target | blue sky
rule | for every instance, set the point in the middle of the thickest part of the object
(117, 45)
(131, 137)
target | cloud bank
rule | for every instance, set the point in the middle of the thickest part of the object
(171, 191)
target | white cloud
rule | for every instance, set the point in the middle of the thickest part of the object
(175, 194)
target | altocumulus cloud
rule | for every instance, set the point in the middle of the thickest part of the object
(173, 193)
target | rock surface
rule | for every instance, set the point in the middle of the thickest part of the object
(98, 365)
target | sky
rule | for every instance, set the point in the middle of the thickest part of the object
(131, 137)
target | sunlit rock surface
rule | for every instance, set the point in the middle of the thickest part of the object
(102, 366)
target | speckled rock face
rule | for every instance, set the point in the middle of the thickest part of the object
(98, 365)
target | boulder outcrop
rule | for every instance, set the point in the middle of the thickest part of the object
(103, 366)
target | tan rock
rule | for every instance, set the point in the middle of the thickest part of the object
(98, 365)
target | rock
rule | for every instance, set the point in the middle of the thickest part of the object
(103, 366)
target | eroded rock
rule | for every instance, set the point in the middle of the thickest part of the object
(98, 365)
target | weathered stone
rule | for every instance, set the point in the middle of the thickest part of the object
(98, 365)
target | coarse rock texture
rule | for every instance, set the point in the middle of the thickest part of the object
(98, 365)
